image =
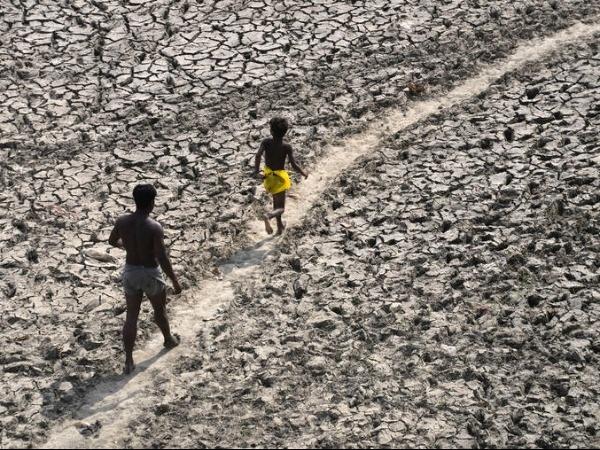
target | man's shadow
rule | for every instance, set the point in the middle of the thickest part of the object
(112, 384)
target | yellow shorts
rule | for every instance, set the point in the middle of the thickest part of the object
(276, 181)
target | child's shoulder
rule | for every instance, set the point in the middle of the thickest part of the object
(266, 141)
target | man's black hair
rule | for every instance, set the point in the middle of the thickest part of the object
(279, 126)
(144, 195)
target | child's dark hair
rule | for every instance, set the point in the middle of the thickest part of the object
(144, 195)
(279, 127)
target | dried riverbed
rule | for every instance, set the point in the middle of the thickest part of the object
(101, 95)
(444, 294)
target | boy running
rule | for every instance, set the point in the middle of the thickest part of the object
(275, 178)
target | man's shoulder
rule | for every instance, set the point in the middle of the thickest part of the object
(123, 219)
(154, 225)
(266, 141)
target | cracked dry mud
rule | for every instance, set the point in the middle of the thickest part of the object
(445, 294)
(100, 95)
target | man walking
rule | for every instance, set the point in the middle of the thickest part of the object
(143, 240)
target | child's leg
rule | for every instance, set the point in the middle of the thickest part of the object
(268, 227)
(267, 218)
(278, 210)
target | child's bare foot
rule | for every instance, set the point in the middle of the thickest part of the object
(172, 342)
(129, 367)
(280, 229)
(268, 227)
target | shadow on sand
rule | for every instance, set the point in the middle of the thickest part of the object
(99, 388)
(112, 384)
(250, 257)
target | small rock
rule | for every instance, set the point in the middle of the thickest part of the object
(10, 290)
(295, 264)
(575, 356)
(560, 388)
(446, 225)
(534, 300)
(52, 354)
(65, 386)
(299, 290)
(322, 321)
(516, 260)
(92, 304)
(532, 92)
(385, 437)
(317, 365)
(20, 225)
(100, 256)
(161, 409)
(89, 429)
(32, 255)
(457, 283)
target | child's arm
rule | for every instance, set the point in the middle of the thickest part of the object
(257, 159)
(294, 164)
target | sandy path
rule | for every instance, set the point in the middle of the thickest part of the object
(114, 403)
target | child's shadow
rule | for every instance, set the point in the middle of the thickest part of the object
(249, 257)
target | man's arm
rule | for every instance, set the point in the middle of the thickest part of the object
(115, 238)
(294, 164)
(258, 158)
(163, 259)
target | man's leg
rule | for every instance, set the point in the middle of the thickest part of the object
(134, 302)
(159, 303)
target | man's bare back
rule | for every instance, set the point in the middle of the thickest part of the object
(138, 234)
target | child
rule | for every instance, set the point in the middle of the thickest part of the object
(275, 178)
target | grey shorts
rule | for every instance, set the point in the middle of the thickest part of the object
(138, 279)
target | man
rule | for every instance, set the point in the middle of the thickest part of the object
(143, 240)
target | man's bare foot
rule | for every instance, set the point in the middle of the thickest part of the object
(268, 227)
(129, 367)
(172, 342)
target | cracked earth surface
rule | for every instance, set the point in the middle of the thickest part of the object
(100, 95)
(444, 295)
